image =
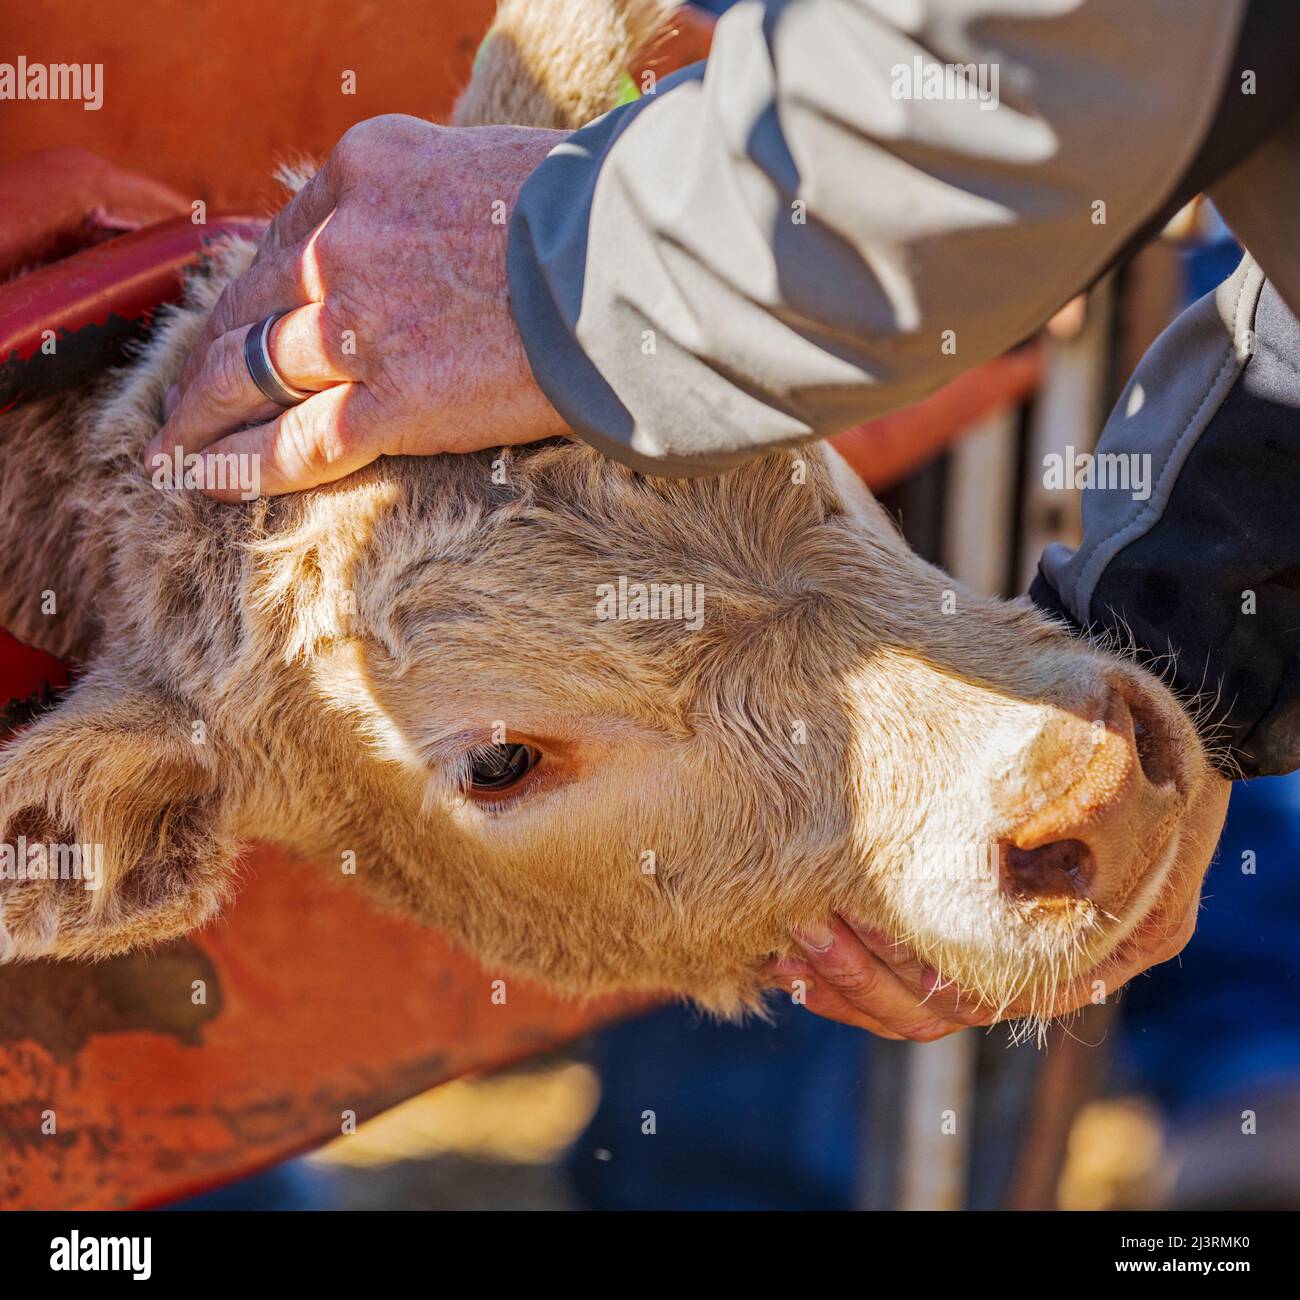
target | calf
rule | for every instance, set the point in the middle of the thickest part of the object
(610, 731)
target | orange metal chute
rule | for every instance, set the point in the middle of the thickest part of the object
(171, 1072)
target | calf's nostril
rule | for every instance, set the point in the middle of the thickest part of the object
(1137, 719)
(1152, 743)
(1061, 869)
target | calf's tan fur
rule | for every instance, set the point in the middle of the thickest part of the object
(312, 670)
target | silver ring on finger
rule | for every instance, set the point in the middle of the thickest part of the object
(261, 369)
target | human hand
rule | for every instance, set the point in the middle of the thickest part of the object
(391, 266)
(861, 977)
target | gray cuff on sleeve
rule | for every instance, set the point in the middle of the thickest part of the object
(1165, 408)
(546, 270)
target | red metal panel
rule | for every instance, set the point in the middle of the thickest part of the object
(209, 95)
(92, 303)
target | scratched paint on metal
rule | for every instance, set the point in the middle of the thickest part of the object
(164, 1073)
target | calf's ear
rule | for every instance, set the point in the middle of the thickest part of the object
(113, 830)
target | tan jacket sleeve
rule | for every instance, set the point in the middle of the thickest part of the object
(852, 203)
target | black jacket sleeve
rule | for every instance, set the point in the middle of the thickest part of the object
(1192, 522)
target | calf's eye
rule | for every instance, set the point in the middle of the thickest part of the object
(494, 768)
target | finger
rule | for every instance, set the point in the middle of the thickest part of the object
(948, 999)
(289, 279)
(844, 966)
(1157, 940)
(796, 978)
(830, 1005)
(330, 435)
(224, 396)
(940, 995)
(304, 212)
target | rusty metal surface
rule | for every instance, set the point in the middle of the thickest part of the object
(166, 1073)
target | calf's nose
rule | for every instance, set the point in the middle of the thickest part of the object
(1096, 802)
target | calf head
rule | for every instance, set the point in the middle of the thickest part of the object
(611, 731)
(651, 725)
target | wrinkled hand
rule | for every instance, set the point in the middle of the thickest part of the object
(860, 977)
(391, 265)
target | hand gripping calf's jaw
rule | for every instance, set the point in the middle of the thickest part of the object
(678, 792)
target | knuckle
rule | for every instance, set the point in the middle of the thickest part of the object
(857, 984)
(352, 145)
(396, 127)
(339, 314)
(226, 374)
(314, 447)
(361, 140)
